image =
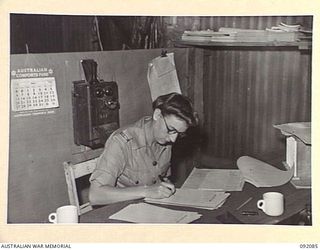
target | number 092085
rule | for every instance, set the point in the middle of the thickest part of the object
(309, 246)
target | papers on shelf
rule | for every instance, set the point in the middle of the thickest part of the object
(284, 33)
(215, 179)
(146, 213)
(205, 199)
(285, 27)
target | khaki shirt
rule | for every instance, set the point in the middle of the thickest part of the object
(128, 160)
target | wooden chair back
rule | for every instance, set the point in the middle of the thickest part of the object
(72, 173)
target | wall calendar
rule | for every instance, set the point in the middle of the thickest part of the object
(33, 93)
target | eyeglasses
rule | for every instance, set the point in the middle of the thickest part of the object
(173, 131)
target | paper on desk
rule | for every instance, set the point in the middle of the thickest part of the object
(205, 199)
(215, 179)
(146, 213)
(162, 76)
(262, 174)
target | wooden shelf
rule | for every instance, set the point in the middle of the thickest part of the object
(301, 45)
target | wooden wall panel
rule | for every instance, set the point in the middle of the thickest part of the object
(39, 144)
(246, 92)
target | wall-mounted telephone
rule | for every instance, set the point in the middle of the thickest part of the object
(95, 108)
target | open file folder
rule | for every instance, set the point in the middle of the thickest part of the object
(215, 179)
(205, 199)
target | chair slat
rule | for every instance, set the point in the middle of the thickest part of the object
(72, 173)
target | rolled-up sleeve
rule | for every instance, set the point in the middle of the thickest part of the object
(110, 164)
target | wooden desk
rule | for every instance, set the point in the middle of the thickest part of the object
(295, 201)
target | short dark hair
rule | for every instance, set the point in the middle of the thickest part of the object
(178, 105)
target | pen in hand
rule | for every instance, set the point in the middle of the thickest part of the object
(161, 178)
(166, 184)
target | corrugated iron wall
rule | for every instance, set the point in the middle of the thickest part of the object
(34, 33)
(246, 92)
(254, 22)
(243, 22)
(248, 89)
(71, 33)
(78, 34)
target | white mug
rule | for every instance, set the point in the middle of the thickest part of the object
(64, 214)
(272, 203)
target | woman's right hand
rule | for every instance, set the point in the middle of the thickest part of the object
(160, 190)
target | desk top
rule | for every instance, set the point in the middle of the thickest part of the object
(295, 201)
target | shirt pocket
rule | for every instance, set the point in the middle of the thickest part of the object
(130, 177)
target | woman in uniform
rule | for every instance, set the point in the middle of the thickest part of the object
(135, 162)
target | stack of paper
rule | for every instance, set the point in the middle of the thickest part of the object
(205, 199)
(253, 35)
(215, 179)
(206, 35)
(286, 27)
(146, 213)
(225, 34)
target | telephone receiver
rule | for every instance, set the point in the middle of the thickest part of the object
(90, 70)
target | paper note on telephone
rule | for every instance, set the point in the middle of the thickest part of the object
(162, 76)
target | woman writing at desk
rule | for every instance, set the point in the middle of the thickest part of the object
(136, 158)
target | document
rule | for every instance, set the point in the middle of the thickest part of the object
(146, 213)
(215, 179)
(254, 171)
(162, 76)
(205, 199)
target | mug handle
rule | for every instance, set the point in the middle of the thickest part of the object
(53, 218)
(260, 204)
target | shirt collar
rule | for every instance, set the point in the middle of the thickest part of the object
(142, 128)
(144, 137)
